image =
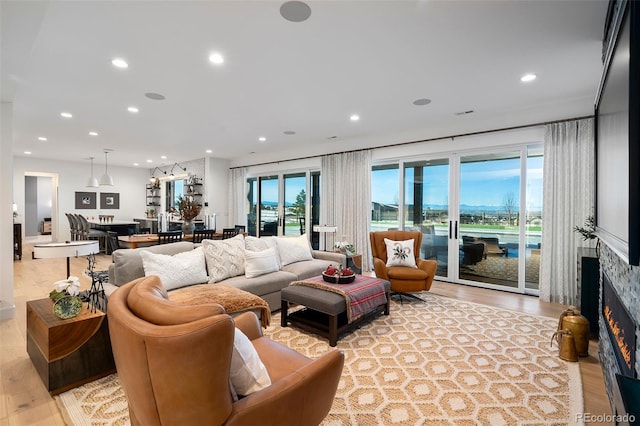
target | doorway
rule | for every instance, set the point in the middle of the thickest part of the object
(40, 207)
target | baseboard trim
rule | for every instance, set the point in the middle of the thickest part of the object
(7, 311)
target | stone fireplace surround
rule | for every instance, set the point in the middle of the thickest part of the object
(625, 281)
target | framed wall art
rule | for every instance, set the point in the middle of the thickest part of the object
(109, 200)
(85, 200)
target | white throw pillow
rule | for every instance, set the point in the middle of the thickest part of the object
(294, 249)
(176, 271)
(400, 253)
(255, 243)
(260, 262)
(225, 258)
(248, 373)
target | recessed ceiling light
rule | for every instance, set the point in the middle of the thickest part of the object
(155, 96)
(132, 109)
(262, 139)
(289, 132)
(354, 117)
(423, 101)
(28, 152)
(42, 138)
(120, 63)
(149, 161)
(136, 164)
(295, 11)
(209, 151)
(164, 157)
(66, 114)
(93, 133)
(528, 77)
(216, 58)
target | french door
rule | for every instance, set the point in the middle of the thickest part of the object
(480, 214)
(278, 204)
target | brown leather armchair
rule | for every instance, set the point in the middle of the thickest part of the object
(173, 362)
(404, 280)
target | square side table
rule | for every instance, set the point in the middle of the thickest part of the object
(68, 353)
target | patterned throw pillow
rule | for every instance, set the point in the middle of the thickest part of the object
(225, 258)
(400, 253)
(176, 271)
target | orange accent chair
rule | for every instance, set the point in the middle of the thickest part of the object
(404, 280)
(174, 362)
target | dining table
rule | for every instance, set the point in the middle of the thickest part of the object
(144, 240)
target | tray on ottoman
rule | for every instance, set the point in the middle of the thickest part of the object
(324, 312)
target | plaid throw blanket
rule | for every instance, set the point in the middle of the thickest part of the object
(361, 296)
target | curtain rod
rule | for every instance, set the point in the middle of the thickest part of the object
(480, 132)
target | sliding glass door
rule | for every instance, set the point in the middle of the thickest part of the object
(480, 213)
(426, 207)
(489, 206)
(278, 204)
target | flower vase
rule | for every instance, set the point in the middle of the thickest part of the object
(188, 227)
(67, 307)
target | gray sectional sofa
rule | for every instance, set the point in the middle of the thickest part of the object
(128, 265)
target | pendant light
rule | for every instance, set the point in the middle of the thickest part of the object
(93, 181)
(106, 179)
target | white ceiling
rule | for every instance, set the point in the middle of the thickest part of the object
(372, 58)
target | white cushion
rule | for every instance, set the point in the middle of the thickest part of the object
(248, 373)
(400, 253)
(260, 262)
(294, 249)
(225, 258)
(175, 271)
(255, 243)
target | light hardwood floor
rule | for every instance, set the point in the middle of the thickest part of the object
(25, 401)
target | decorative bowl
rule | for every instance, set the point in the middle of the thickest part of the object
(339, 279)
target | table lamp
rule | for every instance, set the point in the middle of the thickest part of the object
(325, 229)
(67, 249)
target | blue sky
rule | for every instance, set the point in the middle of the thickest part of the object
(293, 186)
(482, 183)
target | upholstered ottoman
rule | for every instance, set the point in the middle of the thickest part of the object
(324, 312)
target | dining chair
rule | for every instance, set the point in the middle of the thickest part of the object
(169, 237)
(202, 234)
(72, 227)
(229, 233)
(112, 242)
(240, 228)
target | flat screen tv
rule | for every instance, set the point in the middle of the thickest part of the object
(617, 129)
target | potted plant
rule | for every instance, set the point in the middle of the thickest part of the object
(66, 303)
(188, 210)
(588, 231)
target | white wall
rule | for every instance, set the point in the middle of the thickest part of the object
(129, 182)
(216, 184)
(7, 305)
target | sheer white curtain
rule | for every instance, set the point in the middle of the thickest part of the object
(568, 199)
(237, 196)
(346, 199)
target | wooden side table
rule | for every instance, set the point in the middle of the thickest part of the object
(68, 353)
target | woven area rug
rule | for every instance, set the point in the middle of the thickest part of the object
(440, 362)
